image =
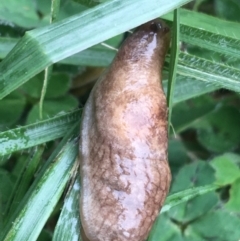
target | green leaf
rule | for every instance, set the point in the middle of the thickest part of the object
(220, 136)
(163, 227)
(58, 86)
(88, 3)
(227, 170)
(193, 175)
(177, 155)
(52, 108)
(43, 6)
(95, 56)
(232, 6)
(19, 12)
(45, 235)
(233, 202)
(35, 134)
(164, 230)
(6, 44)
(6, 187)
(186, 113)
(11, 109)
(69, 8)
(217, 225)
(198, 173)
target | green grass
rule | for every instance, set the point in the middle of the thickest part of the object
(39, 191)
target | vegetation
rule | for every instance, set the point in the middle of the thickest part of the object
(50, 58)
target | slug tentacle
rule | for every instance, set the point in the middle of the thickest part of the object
(123, 141)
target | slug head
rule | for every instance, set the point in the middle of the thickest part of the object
(158, 28)
(148, 44)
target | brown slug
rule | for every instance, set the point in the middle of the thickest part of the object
(124, 170)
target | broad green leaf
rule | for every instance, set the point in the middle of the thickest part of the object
(6, 187)
(35, 134)
(165, 230)
(233, 202)
(45, 235)
(69, 8)
(233, 8)
(218, 224)
(88, 3)
(172, 231)
(52, 108)
(58, 86)
(42, 47)
(193, 175)
(11, 109)
(188, 112)
(44, 6)
(19, 12)
(95, 56)
(177, 155)
(227, 170)
(25, 13)
(192, 235)
(6, 45)
(219, 131)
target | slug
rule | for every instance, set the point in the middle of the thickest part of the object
(124, 170)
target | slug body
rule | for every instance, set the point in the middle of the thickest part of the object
(123, 141)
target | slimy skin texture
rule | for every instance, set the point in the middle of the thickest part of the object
(124, 171)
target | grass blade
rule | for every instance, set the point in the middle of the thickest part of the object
(206, 70)
(173, 65)
(68, 225)
(187, 195)
(35, 134)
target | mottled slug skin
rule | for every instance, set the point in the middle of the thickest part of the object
(123, 141)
